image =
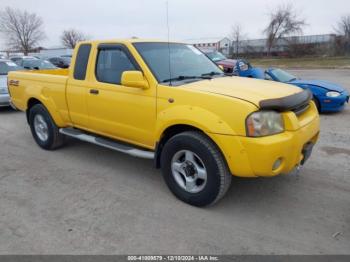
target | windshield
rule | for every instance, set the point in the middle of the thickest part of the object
(282, 76)
(216, 56)
(186, 61)
(8, 66)
(38, 64)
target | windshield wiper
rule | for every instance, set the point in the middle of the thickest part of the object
(180, 78)
(212, 74)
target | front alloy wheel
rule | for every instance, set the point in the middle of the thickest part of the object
(189, 171)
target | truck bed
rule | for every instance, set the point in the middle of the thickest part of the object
(47, 83)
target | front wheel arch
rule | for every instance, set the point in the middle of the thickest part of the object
(173, 131)
(317, 103)
(166, 135)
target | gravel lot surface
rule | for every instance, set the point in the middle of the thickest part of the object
(83, 199)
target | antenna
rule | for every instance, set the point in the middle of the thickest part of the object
(168, 29)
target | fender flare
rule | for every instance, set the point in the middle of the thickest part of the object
(49, 105)
(197, 117)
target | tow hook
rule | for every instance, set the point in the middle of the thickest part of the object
(296, 170)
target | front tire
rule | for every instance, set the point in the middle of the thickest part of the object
(194, 169)
(44, 130)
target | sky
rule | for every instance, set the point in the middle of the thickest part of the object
(188, 19)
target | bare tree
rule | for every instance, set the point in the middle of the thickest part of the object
(343, 26)
(284, 21)
(342, 45)
(237, 36)
(22, 30)
(71, 37)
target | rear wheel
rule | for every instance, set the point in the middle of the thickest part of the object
(194, 169)
(44, 130)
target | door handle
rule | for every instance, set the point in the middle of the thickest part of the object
(94, 91)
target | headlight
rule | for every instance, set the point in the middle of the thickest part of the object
(264, 123)
(333, 94)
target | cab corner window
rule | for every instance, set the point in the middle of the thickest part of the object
(111, 63)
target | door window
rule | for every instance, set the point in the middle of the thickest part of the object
(111, 63)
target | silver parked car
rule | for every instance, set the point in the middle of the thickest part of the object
(5, 67)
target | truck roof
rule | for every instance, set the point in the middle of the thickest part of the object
(128, 40)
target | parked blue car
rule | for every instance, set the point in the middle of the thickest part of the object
(328, 97)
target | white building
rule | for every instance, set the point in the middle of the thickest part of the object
(281, 45)
(221, 44)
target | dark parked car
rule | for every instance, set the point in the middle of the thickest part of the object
(61, 62)
(219, 59)
(36, 64)
(239, 67)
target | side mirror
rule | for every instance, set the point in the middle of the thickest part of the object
(134, 79)
(221, 67)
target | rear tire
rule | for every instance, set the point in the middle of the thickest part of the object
(45, 132)
(194, 169)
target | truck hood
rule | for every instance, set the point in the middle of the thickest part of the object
(251, 90)
(324, 84)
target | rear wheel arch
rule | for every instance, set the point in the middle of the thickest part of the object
(49, 106)
(43, 128)
(31, 102)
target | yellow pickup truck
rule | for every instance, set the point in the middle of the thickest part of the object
(170, 103)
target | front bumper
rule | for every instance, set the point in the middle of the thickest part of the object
(334, 104)
(255, 157)
(4, 100)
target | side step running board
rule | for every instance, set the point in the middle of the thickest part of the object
(108, 143)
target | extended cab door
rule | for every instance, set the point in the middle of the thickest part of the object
(118, 111)
(76, 92)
